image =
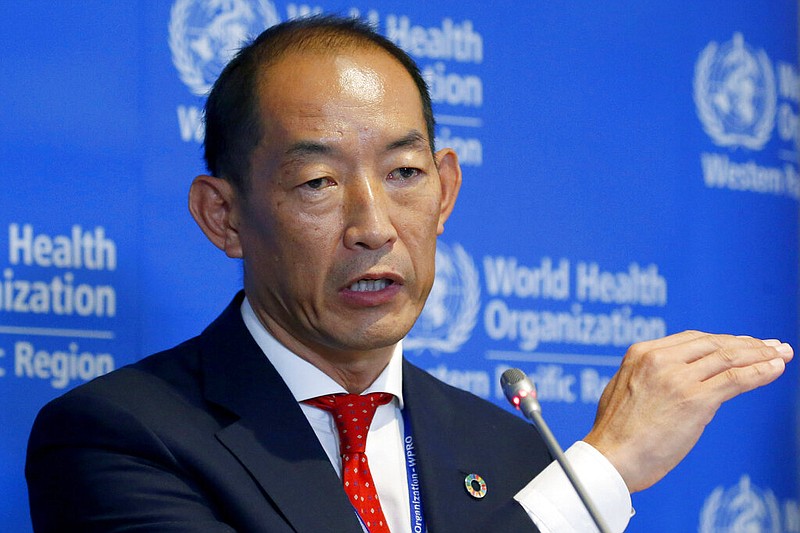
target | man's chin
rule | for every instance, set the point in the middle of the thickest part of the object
(375, 336)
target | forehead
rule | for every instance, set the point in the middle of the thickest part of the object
(345, 89)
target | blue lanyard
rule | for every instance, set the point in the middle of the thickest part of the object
(414, 499)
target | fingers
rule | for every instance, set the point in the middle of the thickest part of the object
(714, 353)
(738, 380)
(723, 366)
(689, 346)
(740, 353)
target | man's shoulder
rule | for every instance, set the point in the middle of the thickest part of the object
(148, 389)
(154, 391)
(177, 368)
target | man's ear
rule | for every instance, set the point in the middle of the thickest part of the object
(213, 203)
(450, 181)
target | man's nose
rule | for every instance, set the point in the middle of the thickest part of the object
(367, 213)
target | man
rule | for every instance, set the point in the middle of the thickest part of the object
(326, 184)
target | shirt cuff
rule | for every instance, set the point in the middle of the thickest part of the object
(554, 506)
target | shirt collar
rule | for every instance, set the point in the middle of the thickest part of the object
(306, 381)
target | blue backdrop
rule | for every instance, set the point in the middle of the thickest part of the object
(630, 171)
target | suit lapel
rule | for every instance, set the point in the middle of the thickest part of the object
(452, 442)
(272, 438)
(442, 469)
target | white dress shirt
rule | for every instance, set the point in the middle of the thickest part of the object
(548, 499)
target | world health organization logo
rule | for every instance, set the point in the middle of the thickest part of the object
(452, 308)
(743, 508)
(205, 34)
(734, 91)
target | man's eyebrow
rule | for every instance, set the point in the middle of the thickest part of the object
(306, 148)
(412, 139)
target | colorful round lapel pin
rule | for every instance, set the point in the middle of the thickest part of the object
(475, 485)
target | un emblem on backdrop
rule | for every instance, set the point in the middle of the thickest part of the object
(452, 308)
(205, 34)
(734, 91)
(742, 508)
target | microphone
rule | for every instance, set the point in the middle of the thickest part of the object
(521, 392)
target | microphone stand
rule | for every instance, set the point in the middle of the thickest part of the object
(521, 392)
(558, 453)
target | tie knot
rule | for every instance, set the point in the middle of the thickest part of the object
(353, 415)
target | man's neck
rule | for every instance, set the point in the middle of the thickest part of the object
(355, 377)
(354, 370)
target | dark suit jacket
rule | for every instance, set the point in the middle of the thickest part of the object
(207, 437)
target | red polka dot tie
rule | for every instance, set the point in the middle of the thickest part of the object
(353, 416)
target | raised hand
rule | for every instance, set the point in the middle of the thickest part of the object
(667, 390)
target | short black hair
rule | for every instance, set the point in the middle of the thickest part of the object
(233, 125)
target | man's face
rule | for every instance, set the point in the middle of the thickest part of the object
(338, 229)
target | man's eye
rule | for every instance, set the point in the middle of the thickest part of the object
(317, 184)
(404, 173)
